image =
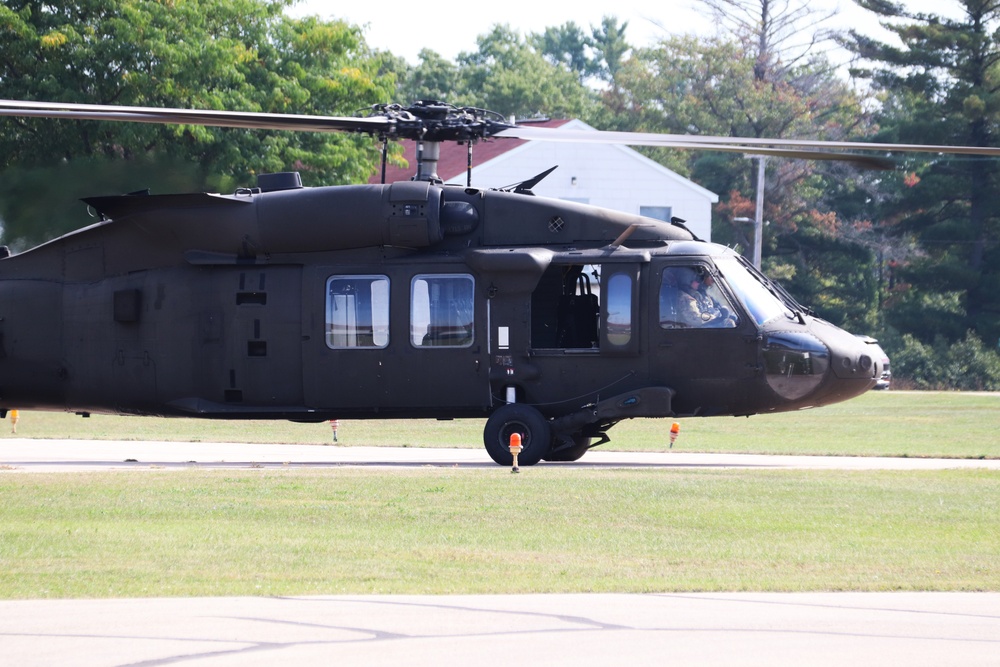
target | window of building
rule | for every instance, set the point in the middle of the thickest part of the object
(357, 311)
(441, 310)
(663, 213)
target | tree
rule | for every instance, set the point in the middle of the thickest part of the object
(942, 86)
(567, 45)
(711, 86)
(508, 75)
(771, 30)
(433, 78)
(611, 46)
(759, 78)
(234, 54)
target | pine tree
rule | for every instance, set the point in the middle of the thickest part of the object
(941, 86)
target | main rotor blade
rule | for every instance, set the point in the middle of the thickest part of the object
(400, 123)
(686, 142)
(244, 119)
(733, 144)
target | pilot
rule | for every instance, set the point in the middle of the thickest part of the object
(696, 307)
(690, 298)
(681, 303)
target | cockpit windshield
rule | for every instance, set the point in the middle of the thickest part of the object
(758, 298)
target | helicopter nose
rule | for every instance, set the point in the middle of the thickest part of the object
(850, 357)
(824, 363)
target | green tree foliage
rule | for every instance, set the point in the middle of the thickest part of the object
(942, 85)
(433, 78)
(507, 74)
(209, 54)
(611, 46)
(511, 74)
(965, 364)
(715, 86)
(599, 55)
(570, 46)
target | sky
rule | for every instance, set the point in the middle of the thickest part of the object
(405, 27)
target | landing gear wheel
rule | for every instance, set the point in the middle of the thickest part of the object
(536, 435)
(572, 453)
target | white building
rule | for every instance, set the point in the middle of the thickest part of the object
(606, 175)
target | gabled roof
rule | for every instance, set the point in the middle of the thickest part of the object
(454, 156)
(596, 153)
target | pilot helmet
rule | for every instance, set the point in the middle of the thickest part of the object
(702, 276)
(689, 277)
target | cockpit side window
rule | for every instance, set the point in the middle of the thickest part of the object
(691, 299)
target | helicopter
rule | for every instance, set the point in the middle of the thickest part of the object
(551, 319)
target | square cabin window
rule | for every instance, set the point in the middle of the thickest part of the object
(357, 312)
(441, 310)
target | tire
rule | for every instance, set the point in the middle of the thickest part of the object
(536, 435)
(573, 453)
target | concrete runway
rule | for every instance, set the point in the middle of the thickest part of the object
(444, 631)
(817, 629)
(27, 455)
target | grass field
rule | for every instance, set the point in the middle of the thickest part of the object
(552, 528)
(293, 532)
(875, 424)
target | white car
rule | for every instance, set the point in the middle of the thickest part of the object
(883, 375)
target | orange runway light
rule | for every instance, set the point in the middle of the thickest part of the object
(675, 430)
(515, 449)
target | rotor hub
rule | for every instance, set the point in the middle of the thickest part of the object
(430, 120)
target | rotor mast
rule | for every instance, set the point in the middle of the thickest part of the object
(429, 123)
(428, 155)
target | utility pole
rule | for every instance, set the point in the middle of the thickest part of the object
(758, 219)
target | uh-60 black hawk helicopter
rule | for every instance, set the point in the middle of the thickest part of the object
(551, 319)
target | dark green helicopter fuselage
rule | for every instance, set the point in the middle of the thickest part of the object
(408, 300)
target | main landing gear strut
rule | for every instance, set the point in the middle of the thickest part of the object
(568, 437)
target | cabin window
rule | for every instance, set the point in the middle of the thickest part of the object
(441, 310)
(357, 312)
(691, 299)
(619, 305)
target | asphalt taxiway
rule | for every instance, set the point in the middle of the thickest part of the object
(29, 455)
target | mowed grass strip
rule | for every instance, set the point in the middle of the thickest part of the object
(434, 530)
(921, 424)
